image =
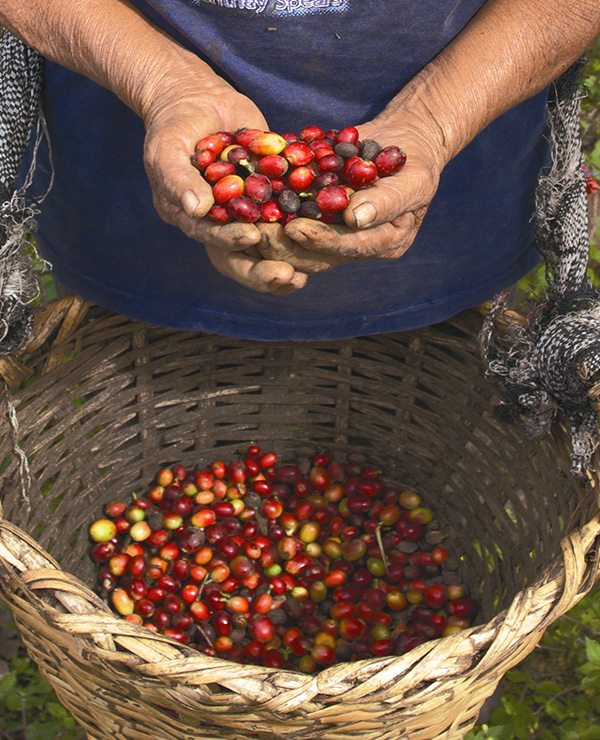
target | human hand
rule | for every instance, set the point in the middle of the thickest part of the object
(381, 221)
(175, 120)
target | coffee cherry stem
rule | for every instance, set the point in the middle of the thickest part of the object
(204, 635)
(247, 164)
(381, 548)
(205, 581)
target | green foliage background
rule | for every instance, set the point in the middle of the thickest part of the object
(554, 694)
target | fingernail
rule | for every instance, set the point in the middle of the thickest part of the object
(364, 214)
(190, 202)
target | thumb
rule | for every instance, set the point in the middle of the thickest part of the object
(175, 180)
(381, 203)
(189, 189)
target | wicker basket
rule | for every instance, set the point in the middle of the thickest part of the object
(116, 398)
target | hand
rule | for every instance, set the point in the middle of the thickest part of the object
(175, 121)
(381, 222)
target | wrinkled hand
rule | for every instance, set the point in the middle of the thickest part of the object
(381, 222)
(176, 120)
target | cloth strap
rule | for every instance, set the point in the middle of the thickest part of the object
(21, 76)
(549, 364)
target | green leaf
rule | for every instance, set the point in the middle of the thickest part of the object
(592, 682)
(557, 710)
(20, 664)
(517, 676)
(8, 683)
(504, 731)
(540, 698)
(44, 730)
(548, 687)
(516, 708)
(14, 702)
(13, 726)
(476, 735)
(592, 651)
(57, 710)
(588, 731)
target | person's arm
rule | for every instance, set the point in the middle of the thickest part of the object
(509, 51)
(180, 100)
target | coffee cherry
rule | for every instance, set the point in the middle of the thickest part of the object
(369, 149)
(266, 144)
(254, 560)
(462, 607)
(300, 179)
(436, 596)
(361, 174)
(309, 209)
(346, 150)
(217, 170)
(115, 509)
(203, 158)
(122, 602)
(102, 530)
(331, 163)
(258, 188)
(140, 531)
(298, 154)
(241, 208)
(312, 133)
(262, 629)
(347, 134)
(245, 135)
(228, 187)
(213, 142)
(389, 161)
(273, 165)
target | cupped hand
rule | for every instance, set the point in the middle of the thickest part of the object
(382, 221)
(175, 120)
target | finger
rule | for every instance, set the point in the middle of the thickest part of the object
(409, 236)
(386, 241)
(409, 190)
(234, 236)
(263, 276)
(174, 179)
(275, 244)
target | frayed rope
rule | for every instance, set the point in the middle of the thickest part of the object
(550, 364)
(21, 75)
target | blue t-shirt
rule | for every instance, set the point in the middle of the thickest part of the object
(325, 62)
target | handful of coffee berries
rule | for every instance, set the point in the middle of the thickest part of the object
(262, 176)
(296, 566)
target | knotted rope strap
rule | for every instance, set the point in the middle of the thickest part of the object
(21, 73)
(550, 363)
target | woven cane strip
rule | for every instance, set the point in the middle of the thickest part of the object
(133, 397)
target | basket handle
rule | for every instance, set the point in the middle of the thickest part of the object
(65, 314)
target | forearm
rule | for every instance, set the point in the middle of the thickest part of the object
(509, 51)
(109, 41)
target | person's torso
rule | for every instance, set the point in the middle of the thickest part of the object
(323, 62)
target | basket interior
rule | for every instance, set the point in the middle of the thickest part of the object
(130, 398)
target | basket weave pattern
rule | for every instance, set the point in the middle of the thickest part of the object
(126, 398)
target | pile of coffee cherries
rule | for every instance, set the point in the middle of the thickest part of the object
(262, 176)
(297, 565)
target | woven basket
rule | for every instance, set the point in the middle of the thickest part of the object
(116, 398)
